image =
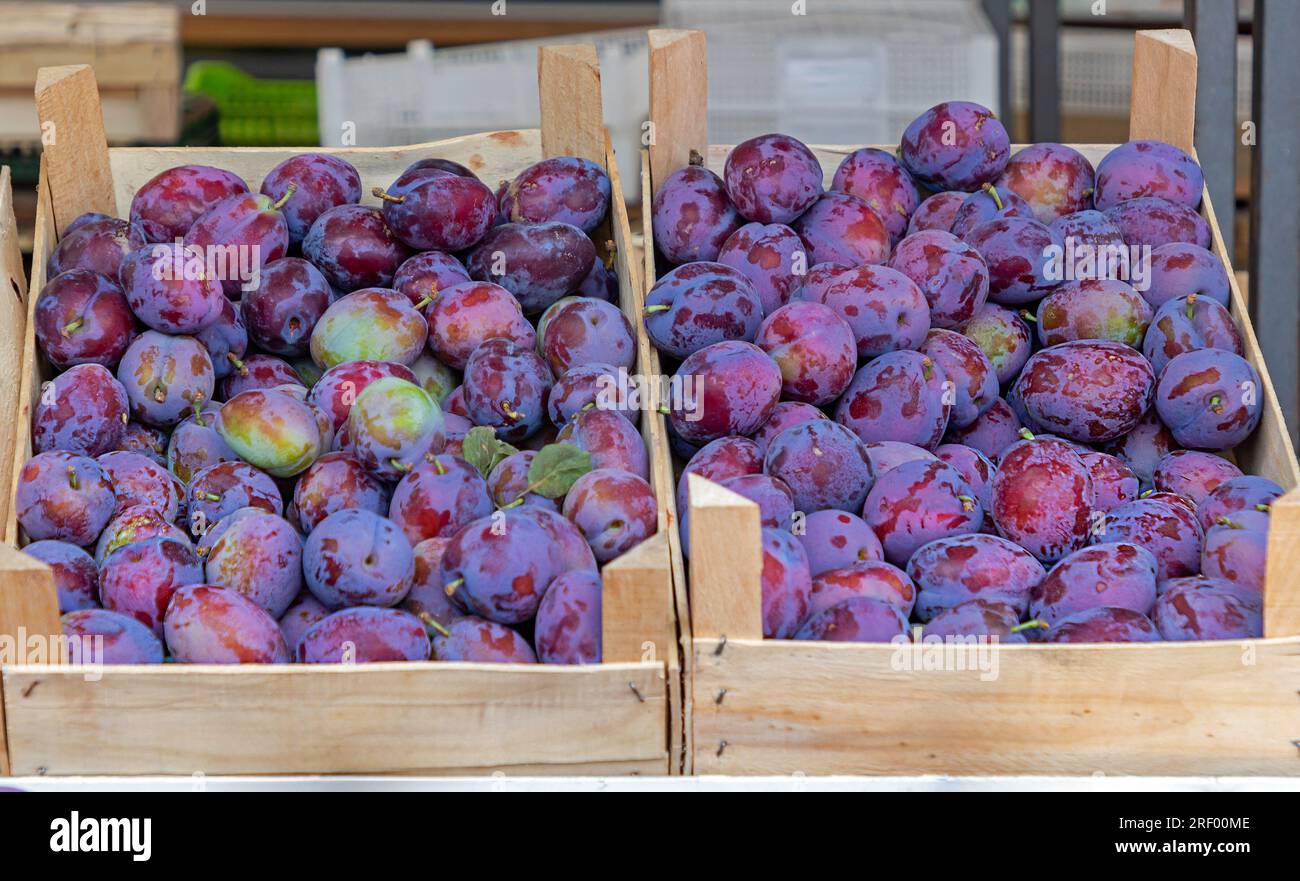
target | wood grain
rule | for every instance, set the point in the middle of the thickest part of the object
(679, 100)
(637, 604)
(726, 563)
(75, 148)
(780, 707)
(425, 718)
(568, 86)
(13, 323)
(1163, 106)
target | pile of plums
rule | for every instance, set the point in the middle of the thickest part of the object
(955, 399)
(287, 426)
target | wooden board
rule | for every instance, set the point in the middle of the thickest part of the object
(429, 718)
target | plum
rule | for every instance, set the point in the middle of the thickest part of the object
(538, 263)
(950, 273)
(76, 577)
(1143, 446)
(508, 484)
(1148, 168)
(1205, 609)
(315, 183)
(899, 396)
(870, 578)
(480, 641)
(1003, 337)
(355, 557)
(952, 571)
(786, 584)
(195, 444)
(568, 549)
(880, 180)
(719, 460)
(393, 426)
(786, 414)
(340, 386)
(259, 373)
(564, 188)
(884, 308)
(1089, 227)
(272, 430)
(775, 500)
(98, 636)
(492, 567)
(1054, 179)
(1179, 269)
(586, 331)
(465, 315)
(139, 480)
(615, 511)
(1235, 552)
(139, 579)
(1093, 309)
(840, 228)
(956, 145)
(281, 312)
(82, 317)
(96, 245)
(167, 204)
(814, 348)
(1116, 574)
(692, 215)
(993, 431)
(239, 235)
(1150, 221)
(611, 440)
(226, 340)
(1193, 474)
(1089, 390)
(440, 212)
(589, 386)
(63, 496)
(146, 440)
(165, 377)
(1185, 324)
(82, 410)
(726, 388)
(224, 487)
(888, 455)
(936, 211)
(858, 619)
(772, 178)
(771, 256)
(256, 554)
(1043, 498)
(974, 385)
(428, 274)
(506, 386)
(824, 464)
(1113, 482)
(991, 620)
(209, 624)
(568, 627)
(836, 539)
(700, 304)
(372, 323)
(437, 497)
(1104, 624)
(354, 248)
(977, 470)
(1210, 399)
(918, 502)
(1169, 531)
(987, 203)
(427, 600)
(365, 635)
(1017, 252)
(135, 524)
(332, 483)
(1237, 494)
(305, 611)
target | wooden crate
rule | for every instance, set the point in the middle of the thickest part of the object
(619, 717)
(758, 706)
(134, 47)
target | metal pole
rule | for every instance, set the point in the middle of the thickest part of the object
(1275, 198)
(1213, 24)
(1044, 71)
(998, 12)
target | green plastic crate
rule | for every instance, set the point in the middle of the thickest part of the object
(257, 112)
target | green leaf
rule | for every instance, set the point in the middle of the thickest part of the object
(482, 449)
(555, 468)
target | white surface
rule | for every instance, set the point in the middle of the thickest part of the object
(502, 783)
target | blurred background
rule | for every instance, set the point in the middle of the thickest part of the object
(385, 72)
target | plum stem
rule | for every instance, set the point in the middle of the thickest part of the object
(439, 467)
(1026, 434)
(967, 503)
(1033, 624)
(993, 194)
(159, 393)
(378, 192)
(72, 476)
(515, 504)
(1028, 316)
(399, 465)
(431, 623)
(207, 496)
(510, 413)
(927, 369)
(237, 364)
(695, 158)
(1216, 404)
(1265, 508)
(425, 301)
(662, 307)
(1191, 305)
(288, 194)
(1224, 521)
(73, 326)
(452, 586)
(664, 411)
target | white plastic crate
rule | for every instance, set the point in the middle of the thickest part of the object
(845, 71)
(1097, 71)
(427, 94)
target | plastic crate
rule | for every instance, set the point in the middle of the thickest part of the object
(429, 94)
(847, 71)
(256, 112)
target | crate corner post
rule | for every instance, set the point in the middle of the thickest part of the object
(637, 618)
(1163, 100)
(679, 100)
(569, 98)
(75, 147)
(726, 563)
